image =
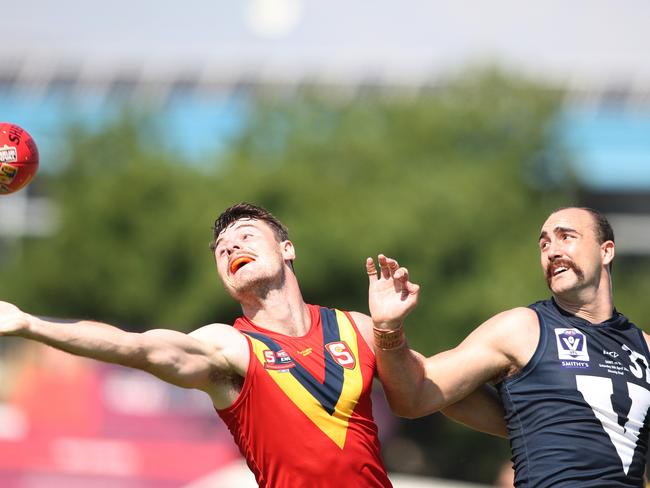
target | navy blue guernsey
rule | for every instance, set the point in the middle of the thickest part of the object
(577, 412)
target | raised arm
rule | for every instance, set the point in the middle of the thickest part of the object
(417, 386)
(187, 360)
(401, 370)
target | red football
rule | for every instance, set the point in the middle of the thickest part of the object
(18, 158)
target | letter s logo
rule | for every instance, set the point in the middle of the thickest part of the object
(269, 356)
(341, 354)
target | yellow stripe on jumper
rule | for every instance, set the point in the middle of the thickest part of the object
(334, 426)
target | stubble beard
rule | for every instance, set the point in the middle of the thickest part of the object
(261, 286)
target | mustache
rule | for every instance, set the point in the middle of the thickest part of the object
(563, 263)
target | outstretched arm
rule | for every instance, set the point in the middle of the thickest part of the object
(172, 356)
(416, 385)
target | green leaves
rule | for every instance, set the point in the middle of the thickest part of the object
(443, 181)
(437, 180)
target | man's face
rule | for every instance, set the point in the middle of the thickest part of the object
(248, 255)
(571, 256)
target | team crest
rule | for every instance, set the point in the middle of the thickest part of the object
(571, 345)
(278, 361)
(328, 401)
(341, 353)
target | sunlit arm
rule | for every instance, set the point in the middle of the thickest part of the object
(417, 386)
(410, 385)
(172, 356)
(481, 410)
(402, 375)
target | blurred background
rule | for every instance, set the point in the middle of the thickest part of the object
(438, 132)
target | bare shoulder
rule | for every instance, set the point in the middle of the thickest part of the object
(516, 333)
(215, 333)
(516, 320)
(364, 324)
(646, 336)
(225, 340)
(228, 351)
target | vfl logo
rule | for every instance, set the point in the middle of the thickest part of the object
(341, 354)
(278, 361)
(571, 345)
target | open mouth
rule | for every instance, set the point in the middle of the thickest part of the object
(239, 263)
(559, 269)
(562, 266)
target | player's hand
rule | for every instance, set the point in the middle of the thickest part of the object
(391, 296)
(12, 319)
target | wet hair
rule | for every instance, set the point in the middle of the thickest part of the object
(247, 211)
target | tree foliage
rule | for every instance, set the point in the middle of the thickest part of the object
(446, 181)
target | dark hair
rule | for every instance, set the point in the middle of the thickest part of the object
(247, 211)
(603, 229)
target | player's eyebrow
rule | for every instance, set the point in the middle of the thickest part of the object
(558, 230)
(216, 243)
(563, 230)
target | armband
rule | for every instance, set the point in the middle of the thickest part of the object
(389, 339)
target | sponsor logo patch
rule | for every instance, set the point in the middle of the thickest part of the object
(278, 361)
(574, 364)
(8, 154)
(306, 352)
(572, 348)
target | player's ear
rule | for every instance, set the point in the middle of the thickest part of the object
(607, 251)
(288, 251)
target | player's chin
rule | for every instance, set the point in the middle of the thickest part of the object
(242, 282)
(564, 286)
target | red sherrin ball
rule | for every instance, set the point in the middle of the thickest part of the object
(18, 158)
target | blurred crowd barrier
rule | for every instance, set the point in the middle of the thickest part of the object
(67, 421)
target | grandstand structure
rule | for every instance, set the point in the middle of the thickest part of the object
(605, 123)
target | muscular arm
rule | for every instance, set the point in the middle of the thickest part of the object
(417, 386)
(189, 361)
(481, 410)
